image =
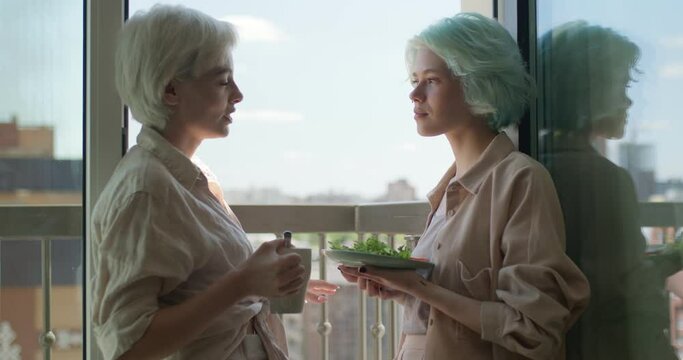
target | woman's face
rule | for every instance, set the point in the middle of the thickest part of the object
(613, 125)
(204, 104)
(437, 96)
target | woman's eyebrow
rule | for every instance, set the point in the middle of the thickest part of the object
(221, 70)
(426, 72)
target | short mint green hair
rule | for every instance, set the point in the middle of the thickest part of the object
(486, 60)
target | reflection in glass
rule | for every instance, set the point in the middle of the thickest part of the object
(585, 72)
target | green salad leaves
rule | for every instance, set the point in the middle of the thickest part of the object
(371, 246)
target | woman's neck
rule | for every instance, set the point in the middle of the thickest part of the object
(469, 143)
(180, 137)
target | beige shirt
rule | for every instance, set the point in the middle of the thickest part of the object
(416, 312)
(503, 244)
(159, 236)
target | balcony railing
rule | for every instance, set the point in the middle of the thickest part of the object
(52, 222)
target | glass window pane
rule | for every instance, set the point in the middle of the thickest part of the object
(609, 85)
(326, 116)
(41, 167)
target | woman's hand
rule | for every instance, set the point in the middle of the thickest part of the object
(318, 290)
(377, 279)
(270, 274)
(373, 288)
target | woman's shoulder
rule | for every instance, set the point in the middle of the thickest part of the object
(138, 172)
(518, 164)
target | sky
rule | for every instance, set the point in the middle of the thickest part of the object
(325, 87)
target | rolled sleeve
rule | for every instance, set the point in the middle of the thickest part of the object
(138, 256)
(132, 310)
(541, 291)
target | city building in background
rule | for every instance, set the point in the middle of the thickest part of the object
(640, 160)
(25, 142)
(30, 175)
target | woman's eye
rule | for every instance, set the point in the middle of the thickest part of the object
(414, 82)
(432, 80)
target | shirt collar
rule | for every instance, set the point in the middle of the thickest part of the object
(497, 150)
(179, 165)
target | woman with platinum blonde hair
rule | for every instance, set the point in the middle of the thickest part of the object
(174, 273)
(502, 286)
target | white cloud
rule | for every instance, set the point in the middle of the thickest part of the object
(255, 29)
(672, 41)
(269, 116)
(672, 71)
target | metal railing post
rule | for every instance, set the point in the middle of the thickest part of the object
(47, 338)
(324, 326)
(363, 333)
(393, 323)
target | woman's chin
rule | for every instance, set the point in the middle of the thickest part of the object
(427, 132)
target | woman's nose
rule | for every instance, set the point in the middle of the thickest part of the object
(235, 95)
(416, 95)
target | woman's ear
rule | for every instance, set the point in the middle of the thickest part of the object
(171, 97)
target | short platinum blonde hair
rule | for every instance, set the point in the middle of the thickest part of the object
(586, 69)
(486, 60)
(163, 44)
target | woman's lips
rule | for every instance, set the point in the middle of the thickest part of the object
(419, 115)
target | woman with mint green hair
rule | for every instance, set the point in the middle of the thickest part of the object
(502, 286)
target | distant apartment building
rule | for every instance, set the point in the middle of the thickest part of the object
(25, 141)
(640, 161)
(399, 190)
(29, 173)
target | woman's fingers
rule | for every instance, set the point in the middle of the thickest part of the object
(373, 289)
(350, 278)
(348, 273)
(294, 272)
(388, 294)
(362, 283)
(318, 290)
(288, 260)
(376, 281)
(322, 286)
(315, 298)
(292, 286)
(322, 291)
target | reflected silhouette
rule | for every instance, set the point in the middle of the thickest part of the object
(585, 73)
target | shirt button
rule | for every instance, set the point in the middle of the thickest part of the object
(451, 212)
(438, 246)
(431, 322)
